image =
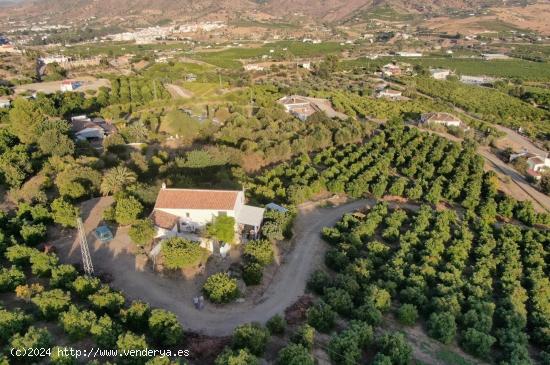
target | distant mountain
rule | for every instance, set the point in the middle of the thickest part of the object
(322, 10)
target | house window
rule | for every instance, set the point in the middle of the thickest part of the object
(222, 214)
(188, 215)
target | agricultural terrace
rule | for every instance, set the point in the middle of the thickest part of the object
(512, 68)
(489, 104)
(400, 161)
(284, 50)
(470, 283)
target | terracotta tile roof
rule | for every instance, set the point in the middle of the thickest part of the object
(533, 173)
(196, 199)
(163, 220)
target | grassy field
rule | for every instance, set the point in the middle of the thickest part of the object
(177, 70)
(201, 89)
(230, 58)
(513, 68)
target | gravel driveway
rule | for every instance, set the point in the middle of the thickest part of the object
(137, 281)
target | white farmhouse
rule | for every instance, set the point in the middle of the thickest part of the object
(302, 107)
(389, 94)
(253, 67)
(408, 54)
(5, 103)
(305, 65)
(536, 163)
(494, 56)
(54, 59)
(85, 128)
(183, 211)
(440, 73)
(446, 119)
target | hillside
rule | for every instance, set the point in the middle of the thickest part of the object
(326, 10)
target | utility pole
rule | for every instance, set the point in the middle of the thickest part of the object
(84, 249)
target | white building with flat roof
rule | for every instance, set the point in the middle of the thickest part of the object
(439, 73)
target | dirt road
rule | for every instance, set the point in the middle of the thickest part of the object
(539, 199)
(516, 185)
(178, 92)
(140, 282)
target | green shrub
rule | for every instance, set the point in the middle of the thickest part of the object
(222, 229)
(276, 325)
(64, 213)
(318, 281)
(105, 332)
(251, 336)
(11, 278)
(305, 336)
(321, 317)
(221, 288)
(238, 357)
(442, 327)
(107, 300)
(76, 323)
(63, 276)
(294, 354)
(35, 338)
(180, 253)
(83, 286)
(12, 322)
(407, 314)
(142, 232)
(33, 234)
(136, 317)
(165, 327)
(127, 210)
(260, 251)
(43, 263)
(394, 346)
(19, 254)
(51, 303)
(253, 273)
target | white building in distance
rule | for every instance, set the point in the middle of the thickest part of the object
(445, 119)
(408, 54)
(253, 67)
(439, 73)
(389, 94)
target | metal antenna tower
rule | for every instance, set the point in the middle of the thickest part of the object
(84, 249)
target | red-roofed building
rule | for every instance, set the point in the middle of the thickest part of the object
(188, 210)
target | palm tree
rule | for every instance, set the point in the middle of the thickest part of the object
(116, 179)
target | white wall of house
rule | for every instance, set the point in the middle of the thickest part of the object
(539, 166)
(440, 75)
(450, 123)
(198, 216)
